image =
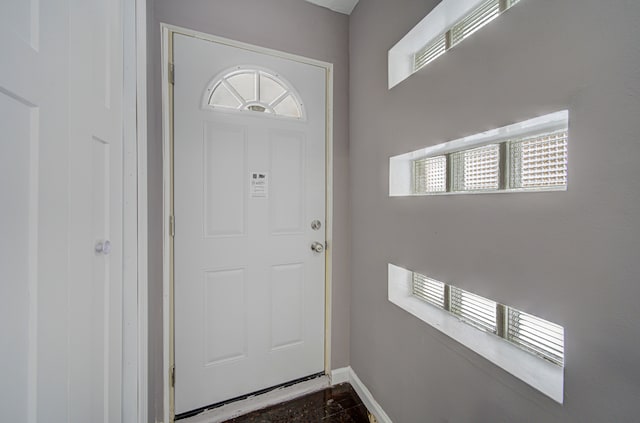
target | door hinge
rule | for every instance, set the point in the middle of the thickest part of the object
(172, 376)
(172, 226)
(172, 74)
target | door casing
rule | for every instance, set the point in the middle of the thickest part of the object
(167, 197)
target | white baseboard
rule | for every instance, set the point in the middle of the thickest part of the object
(346, 374)
(339, 376)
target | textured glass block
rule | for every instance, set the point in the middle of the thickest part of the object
(536, 335)
(429, 290)
(477, 169)
(474, 309)
(539, 161)
(476, 19)
(430, 175)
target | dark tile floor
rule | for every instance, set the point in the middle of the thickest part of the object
(339, 403)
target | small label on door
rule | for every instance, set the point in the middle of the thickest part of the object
(259, 187)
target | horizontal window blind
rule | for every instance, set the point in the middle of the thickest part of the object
(430, 52)
(474, 309)
(539, 336)
(539, 161)
(526, 331)
(476, 19)
(430, 175)
(471, 21)
(476, 169)
(429, 290)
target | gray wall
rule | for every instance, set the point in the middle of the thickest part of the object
(570, 257)
(293, 26)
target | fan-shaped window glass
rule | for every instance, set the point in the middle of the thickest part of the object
(254, 90)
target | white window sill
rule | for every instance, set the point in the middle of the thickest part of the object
(542, 375)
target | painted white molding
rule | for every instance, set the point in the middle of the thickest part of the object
(166, 207)
(347, 374)
(142, 247)
(341, 375)
(135, 330)
(540, 374)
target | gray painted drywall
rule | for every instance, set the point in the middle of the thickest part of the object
(570, 257)
(292, 26)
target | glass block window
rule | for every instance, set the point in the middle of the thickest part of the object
(476, 169)
(526, 156)
(539, 336)
(474, 309)
(255, 90)
(430, 175)
(526, 331)
(429, 290)
(539, 161)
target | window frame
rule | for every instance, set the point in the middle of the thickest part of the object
(438, 24)
(246, 106)
(401, 167)
(540, 373)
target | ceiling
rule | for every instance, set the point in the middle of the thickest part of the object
(341, 6)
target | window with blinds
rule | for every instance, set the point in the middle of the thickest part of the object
(534, 160)
(474, 309)
(479, 17)
(536, 335)
(530, 333)
(471, 22)
(429, 290)
(430, 52)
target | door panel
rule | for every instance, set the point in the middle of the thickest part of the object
(60, 158)
(287, 305)
(249, 292)
(287, 154)
(225, 151)
(18, 164)
(225, 320)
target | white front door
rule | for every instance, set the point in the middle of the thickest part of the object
(61, 193)
(249, 179)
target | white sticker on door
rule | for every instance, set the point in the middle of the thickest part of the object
(259, 185)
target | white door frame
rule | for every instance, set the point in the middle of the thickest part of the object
(134, 272)
(167, 197)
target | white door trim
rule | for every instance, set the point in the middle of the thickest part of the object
(142, 222)
(167, 140)
(135, 281)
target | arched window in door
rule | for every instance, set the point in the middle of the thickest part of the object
(245, 88)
